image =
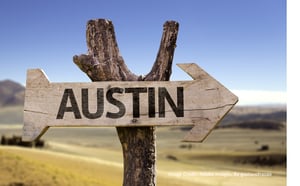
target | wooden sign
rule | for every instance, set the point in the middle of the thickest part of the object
(202, 102)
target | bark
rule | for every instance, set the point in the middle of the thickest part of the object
(104, 63)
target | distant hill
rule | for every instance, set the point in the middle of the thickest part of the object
(255, 114)
(253, 117)
(11, 93)
(264, 117)
(256, 124)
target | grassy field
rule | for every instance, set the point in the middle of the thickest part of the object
(93, 156)
(35, 167)
(11, 114)
(38, 167)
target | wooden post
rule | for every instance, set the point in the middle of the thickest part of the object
(104, 63)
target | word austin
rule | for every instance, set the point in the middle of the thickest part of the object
(70, 104)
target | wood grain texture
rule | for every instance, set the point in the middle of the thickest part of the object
(201, 102)
(104, 63)
(204, 101)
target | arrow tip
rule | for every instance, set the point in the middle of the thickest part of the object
(222, 101)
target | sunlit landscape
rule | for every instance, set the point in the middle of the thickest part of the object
(249, 145)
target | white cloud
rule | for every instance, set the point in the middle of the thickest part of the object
(260, 97)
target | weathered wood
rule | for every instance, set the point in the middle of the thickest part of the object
(201, 102)
(103, 63)
(120, 102)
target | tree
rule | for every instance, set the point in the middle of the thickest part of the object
(104, 63)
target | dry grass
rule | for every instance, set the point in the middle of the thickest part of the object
(37, 167)
(34, 167)
(93, 156)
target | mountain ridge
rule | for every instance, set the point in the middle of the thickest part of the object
(11, 93)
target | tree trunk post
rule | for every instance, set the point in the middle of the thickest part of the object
(104, 63)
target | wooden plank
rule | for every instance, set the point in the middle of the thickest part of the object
(202, 102)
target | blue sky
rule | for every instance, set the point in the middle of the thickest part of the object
(242, 43)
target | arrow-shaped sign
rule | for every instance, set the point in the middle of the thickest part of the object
(202, 102)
